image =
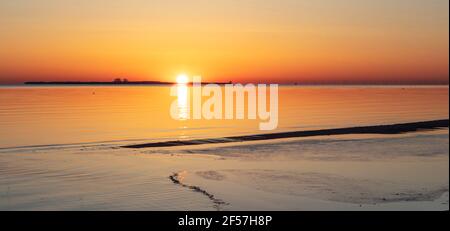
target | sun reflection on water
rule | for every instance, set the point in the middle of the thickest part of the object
(183, 101)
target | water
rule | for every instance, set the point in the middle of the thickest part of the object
(53, 115)
(59, 151)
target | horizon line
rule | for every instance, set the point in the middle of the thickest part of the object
(74, 83)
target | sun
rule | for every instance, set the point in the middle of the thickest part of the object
(182, 79)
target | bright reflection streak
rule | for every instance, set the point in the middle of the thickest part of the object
(183, 101)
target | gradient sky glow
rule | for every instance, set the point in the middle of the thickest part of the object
(310, 41)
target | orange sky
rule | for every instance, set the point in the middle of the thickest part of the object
(320, 41)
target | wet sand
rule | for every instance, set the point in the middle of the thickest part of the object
(347, 172)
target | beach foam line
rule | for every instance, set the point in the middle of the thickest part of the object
(110, 143)
(376, 129)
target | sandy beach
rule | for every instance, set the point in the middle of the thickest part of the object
(364, 172)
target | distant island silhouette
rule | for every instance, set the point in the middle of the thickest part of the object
(114, 82)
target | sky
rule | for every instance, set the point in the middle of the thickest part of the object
(276, 41)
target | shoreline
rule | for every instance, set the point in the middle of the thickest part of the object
(287, 176)
(376, 129)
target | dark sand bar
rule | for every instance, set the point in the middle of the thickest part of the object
(377, 129)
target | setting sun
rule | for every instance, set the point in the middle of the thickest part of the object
(182, 79)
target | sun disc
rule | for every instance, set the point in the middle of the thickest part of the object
(182, 79)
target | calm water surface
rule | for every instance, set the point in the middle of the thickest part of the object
(51, 115)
